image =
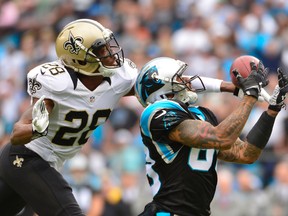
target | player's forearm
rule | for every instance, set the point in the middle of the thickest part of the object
(230, 128)
(200, 134)
(249, 151)
(22, 130)
(22, 134)
(227, 87)
(240, 152)
(213, 85)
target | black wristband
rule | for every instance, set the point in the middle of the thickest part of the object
(260, 133)
(36, 134)
(276, 108)
(236, 91)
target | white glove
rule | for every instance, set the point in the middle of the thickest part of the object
(40, 117)
(277, 100)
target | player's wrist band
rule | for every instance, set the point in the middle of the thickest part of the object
(276, 108)
(260, 133)
(211, 84)
(36, 134)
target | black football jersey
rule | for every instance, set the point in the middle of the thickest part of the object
(183, 179)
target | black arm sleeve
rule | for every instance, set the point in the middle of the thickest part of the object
(260, 133)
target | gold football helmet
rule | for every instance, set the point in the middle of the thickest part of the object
(84, 44)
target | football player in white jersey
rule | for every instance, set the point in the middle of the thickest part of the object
(71, 97)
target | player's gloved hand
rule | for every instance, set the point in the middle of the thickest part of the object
(252, 84)
(276, 101)
(239, 93)
(40, 118)
(263, 72)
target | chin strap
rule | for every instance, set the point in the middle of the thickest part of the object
(107, 72)
(186, 96)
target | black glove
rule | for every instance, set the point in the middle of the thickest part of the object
(240, 94)
(276, 101)
(252, 84)
(264, 71)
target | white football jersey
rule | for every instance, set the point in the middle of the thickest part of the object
(77, 110)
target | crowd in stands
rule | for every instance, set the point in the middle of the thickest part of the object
(108, 177)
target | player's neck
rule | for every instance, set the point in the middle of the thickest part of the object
(90, 82)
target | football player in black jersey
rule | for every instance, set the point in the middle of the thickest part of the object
(183, 142)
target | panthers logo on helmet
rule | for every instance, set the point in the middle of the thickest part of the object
(150, 82)
(71, 44)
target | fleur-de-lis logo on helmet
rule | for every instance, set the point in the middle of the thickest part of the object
(71, 44)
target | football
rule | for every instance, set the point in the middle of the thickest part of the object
(242, 64)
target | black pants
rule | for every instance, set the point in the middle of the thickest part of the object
(27, 179)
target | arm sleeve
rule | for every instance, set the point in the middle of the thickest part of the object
(211, 84)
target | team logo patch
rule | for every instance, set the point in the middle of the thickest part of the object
(150, 82)
(34, 85)
(18, 161)
(170, 118)
(71, 44)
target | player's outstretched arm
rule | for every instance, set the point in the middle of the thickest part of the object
(249, 151)
(33, 123)
(202, 134)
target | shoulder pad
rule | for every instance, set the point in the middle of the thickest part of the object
(130, 63)
(52, 77)
(130, 68)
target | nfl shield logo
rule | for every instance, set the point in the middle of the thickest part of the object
(92, 99)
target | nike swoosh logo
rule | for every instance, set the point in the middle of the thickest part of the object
(42, 72)
(161, 114)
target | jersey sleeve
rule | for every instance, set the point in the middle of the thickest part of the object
(160, 127)
(48, 79)
(125, 77)
(164, 116)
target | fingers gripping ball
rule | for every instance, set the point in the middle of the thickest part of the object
(242, 65)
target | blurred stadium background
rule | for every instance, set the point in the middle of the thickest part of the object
(108, 177)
